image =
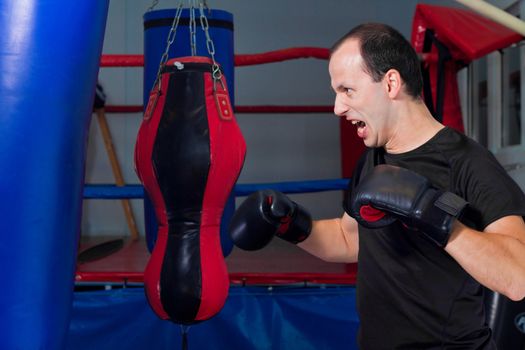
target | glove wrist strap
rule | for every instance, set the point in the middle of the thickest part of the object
(447, 208)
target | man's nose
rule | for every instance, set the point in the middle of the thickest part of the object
(340, 108)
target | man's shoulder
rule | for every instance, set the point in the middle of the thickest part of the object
(458, 148)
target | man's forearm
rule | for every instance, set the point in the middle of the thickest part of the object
(494, 259)
(333, 240)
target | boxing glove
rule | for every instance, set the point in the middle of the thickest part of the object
(391, 193)
(265, 214)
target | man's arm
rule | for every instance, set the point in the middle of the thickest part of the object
(333, 240)
(495, 257)
(265, 214)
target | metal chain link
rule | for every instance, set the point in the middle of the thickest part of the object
(205, 4)
(169, 41)
(216, 71)
(193, 29)
(155, 3)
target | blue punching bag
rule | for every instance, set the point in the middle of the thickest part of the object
(157, 25)
(49, 59)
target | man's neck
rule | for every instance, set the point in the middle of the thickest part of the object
(414, 127)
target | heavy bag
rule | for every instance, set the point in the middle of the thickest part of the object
(506, 318)
(188, 155)
(157, 26)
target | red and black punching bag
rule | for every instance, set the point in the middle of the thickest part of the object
(189, 153)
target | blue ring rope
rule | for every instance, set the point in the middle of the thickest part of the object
(137, 191)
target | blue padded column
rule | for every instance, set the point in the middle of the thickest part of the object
(49, 58)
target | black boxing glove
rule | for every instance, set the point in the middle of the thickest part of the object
(391, 193)
(265, 214)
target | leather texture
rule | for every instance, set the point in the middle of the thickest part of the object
(265, 214)
(188, 159)
(409, 197)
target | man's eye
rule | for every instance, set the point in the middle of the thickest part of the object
(349, 91)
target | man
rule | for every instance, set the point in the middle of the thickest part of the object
(430, 215)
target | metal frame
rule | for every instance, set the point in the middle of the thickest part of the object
(512, 157)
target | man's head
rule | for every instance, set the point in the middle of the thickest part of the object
(375, 74)
(384, 48)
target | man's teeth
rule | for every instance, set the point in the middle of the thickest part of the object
(358, 123)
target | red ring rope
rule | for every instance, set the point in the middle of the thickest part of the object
(282, 55)
(235, 278)
(238, 109)
(240, 60)
(124, 109)
(245, 59)
(122, 61)
(284, 109)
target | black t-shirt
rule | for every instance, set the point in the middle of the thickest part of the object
(410, 293)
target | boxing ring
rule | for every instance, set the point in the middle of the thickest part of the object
(307, 306)
(281, 298)
(331, 291)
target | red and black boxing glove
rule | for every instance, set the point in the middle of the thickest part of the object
(390, 193)
(265, 214)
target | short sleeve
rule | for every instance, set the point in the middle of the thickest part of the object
(490, 191)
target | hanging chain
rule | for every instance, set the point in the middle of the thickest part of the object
(169, 41)
(155, 3)
(216, 70)
(205, 4)
(193, 29)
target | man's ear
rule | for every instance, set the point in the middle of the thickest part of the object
(392, 82)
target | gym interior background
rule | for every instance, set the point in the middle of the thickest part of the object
(285, 147)
(280, 147)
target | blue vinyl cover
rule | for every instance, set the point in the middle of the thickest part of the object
(49, 60)
(137, 191)
(258, 318)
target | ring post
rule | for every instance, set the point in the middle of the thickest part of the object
(49, 59)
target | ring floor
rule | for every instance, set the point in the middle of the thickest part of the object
(278, 257)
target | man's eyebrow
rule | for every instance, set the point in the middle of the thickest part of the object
(341, 87)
